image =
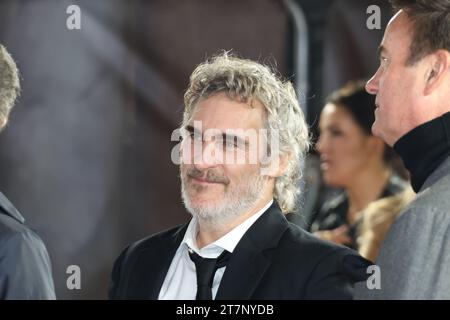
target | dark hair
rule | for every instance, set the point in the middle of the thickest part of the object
(361, 106)
(431, 26)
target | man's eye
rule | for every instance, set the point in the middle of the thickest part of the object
(198, 137)
(229, 143)
(195, 136)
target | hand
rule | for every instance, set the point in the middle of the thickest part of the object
(338, 235)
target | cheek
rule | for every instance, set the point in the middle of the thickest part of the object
(349, 155)
(186, 151)
(343, 148)
(393, 88)
(183, 169)
(238, 173)
(385, 84)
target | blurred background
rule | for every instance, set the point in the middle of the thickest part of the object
(86, 155)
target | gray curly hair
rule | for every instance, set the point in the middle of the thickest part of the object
(9, 84)
(244, 80)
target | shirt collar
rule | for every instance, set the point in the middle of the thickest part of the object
(227, 242)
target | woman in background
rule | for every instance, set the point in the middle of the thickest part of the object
(352, 159)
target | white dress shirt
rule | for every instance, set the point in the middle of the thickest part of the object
(180, 282)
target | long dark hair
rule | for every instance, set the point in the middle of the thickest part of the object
(361, 106)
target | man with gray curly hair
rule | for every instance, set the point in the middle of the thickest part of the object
(25, 270)
(243, 139)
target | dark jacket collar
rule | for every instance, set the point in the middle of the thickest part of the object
(248, 263)
(424, 148)
(150, 270)
(6, 207)
(244, 270)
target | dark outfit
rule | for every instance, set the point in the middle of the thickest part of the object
(333, 213)
(274, 260)
(205, 269)
(25, 271)
(415, 255)
(424, 149)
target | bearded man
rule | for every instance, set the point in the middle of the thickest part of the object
(243, 139)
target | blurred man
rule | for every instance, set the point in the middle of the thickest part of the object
(412, 88)
(25, 271)
(238, 244)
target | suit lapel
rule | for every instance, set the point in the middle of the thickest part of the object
(250, 261)
(242, 275)
(152, 265)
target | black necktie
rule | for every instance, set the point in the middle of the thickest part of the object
(205, 269)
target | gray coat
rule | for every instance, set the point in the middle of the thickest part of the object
(414, 259)
(25, 270)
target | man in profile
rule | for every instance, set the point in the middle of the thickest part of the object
(412, 88)
(238, 244)
(25, 270)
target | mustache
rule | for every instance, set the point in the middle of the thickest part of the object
(209, 176)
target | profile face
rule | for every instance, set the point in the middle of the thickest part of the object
(395, 84)
(343, 146)
(210, 184)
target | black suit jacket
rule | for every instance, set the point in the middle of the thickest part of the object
(274, 260)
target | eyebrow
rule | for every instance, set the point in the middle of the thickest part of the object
(230, 137)
(191, 129)
(225, 136)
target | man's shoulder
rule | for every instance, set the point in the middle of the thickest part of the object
(24, 262)
(439, 177)
(437, 193)
(157, 241)
(297, 244)
(428, 211)
(9, 227)
(139, 257)
(423, 221)
(323, 270)
(11, 221)
(416, 240)
(431, 201)
(14, 234)
(297, 238)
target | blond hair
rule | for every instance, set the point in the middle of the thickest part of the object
(377, 219)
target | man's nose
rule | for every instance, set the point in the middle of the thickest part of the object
(372, 85)
(206, 155)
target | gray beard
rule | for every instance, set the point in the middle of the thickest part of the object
(235, 203)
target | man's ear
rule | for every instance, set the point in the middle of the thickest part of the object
(438, 70)
(277, 167)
